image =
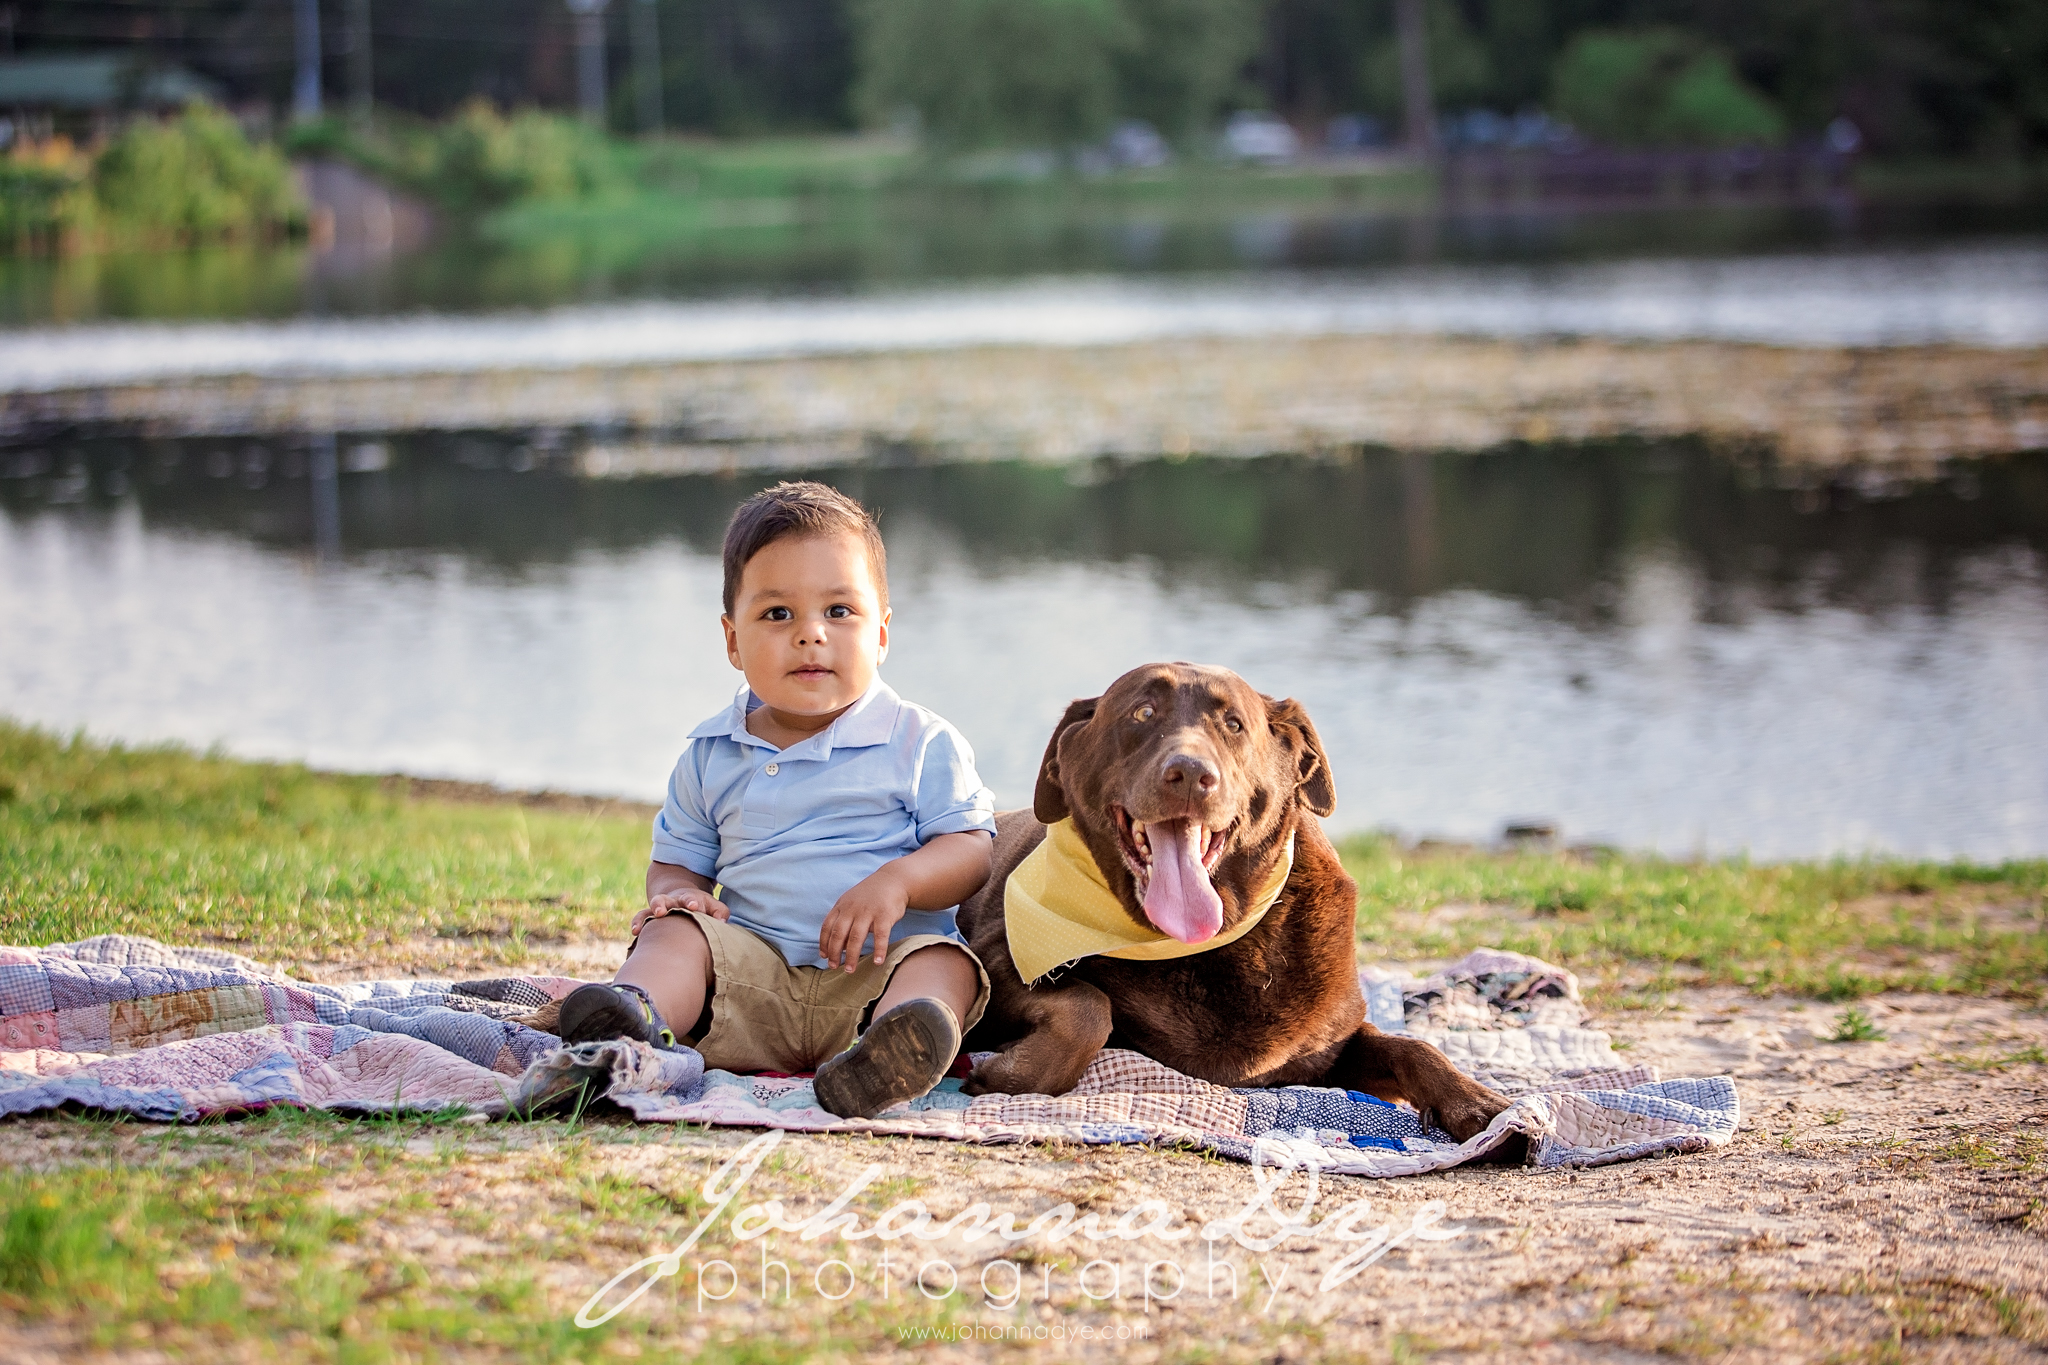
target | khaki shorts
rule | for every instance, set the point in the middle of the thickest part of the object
(769, 1016)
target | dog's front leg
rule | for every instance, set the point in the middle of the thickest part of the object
(1066, 1026)
(1410, 1069)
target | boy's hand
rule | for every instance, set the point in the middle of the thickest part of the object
(870, 909)
(688, 899)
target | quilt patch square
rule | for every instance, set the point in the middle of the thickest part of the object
(151, 1020)
(81, 985)
(86, 1029)
(29, 1032)
(24, 989)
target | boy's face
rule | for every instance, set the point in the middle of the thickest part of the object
(808, 627)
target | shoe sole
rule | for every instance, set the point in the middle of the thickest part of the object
(595, 1014)
(902, 1056)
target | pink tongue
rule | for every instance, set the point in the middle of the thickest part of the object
(1180, 902)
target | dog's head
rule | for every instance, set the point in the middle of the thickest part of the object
(1186, 784)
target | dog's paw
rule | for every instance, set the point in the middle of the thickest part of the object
(1467, 1113)
(992, 1077)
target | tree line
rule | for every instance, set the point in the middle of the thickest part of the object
(1917, 77)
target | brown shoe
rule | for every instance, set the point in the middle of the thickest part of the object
(902, 1055)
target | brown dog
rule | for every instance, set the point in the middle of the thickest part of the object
(1186, 787)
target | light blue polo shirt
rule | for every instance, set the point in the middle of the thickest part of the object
(788, 831)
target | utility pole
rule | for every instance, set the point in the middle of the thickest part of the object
(306, 83)
(647, 65)
(359, 73)
(590, 58)
(1418, 105)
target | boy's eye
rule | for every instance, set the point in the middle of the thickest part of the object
(776, 614)
(839, 611)
(1143, 713)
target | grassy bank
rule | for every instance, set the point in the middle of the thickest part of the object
(299, 867)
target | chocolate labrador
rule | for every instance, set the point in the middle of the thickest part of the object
(1189, 791)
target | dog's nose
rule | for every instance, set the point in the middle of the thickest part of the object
(1186, 775)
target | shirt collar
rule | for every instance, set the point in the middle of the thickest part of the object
(869, 721)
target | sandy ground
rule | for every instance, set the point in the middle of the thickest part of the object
(1884, 1200)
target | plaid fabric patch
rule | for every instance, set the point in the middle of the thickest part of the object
(504, 991)
(1346, 1112)
(80, 985)
(1118, 1069)
(88, 1029)
(1202, 1113)
(24, 989)
(133, 950)
(1006, 1110)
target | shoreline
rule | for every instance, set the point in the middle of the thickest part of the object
(1519, 839)
(1905, 409)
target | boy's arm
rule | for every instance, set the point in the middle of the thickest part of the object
(946, 871)
(670, 887)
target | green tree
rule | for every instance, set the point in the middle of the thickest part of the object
(1658, 86)
(990, 73)
(1183, 60)
(1460, 71)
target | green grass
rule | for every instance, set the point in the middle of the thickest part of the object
(287, 864)
(1832, 930)
(1852, 1025)
(224, 1233)
(292, 865)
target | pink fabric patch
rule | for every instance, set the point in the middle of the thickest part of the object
(44, 1062)
(554, 987)
(29, 1032)
(186, 1065)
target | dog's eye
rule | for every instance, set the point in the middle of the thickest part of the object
(1233, 724)
(1142, 713)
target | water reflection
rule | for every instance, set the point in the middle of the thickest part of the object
(895, 242)
(1649, 644)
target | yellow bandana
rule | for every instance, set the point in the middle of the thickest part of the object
(1057, 906)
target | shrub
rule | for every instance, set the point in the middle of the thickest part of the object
(1658, 87)
(194, 178)
(481, 159)
(43, 193)
(183, 181)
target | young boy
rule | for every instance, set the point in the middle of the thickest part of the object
(831, 814)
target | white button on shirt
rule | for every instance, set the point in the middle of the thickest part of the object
(881, 781)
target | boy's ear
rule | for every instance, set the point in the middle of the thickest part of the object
(1049, 799)
(1314, 787)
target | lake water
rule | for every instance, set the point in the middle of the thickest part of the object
(1971, 294)
(1650, 646)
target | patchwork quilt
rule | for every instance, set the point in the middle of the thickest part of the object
(128, 1025)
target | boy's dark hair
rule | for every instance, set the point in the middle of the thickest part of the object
(799, 509)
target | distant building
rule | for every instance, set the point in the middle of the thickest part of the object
(86, 94)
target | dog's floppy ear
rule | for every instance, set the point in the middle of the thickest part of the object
(1049, 799)
(1313, 782)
